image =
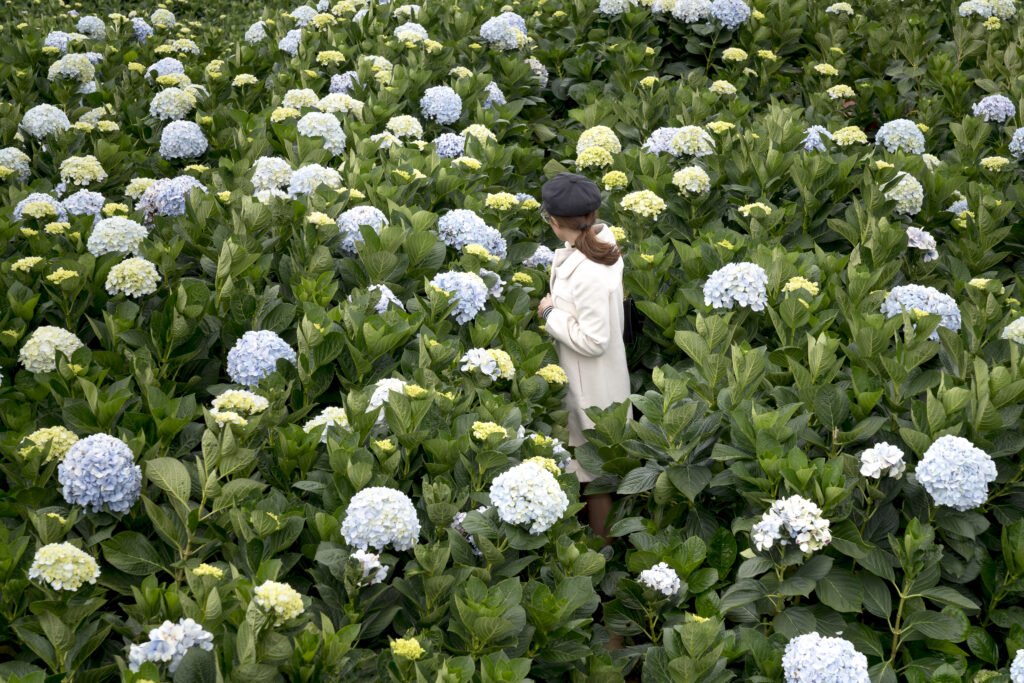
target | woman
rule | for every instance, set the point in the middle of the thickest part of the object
(584, 314)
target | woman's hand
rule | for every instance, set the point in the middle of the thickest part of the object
(544, 303)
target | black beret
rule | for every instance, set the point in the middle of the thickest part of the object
(568, 195)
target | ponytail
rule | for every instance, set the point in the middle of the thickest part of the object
(589, 245)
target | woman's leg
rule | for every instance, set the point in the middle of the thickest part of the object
(599, 506)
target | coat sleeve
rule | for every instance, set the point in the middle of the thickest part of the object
(589, 331)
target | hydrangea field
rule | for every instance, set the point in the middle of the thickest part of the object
(276, 403)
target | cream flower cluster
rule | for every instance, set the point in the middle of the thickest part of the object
(62, 566)
(280, 600)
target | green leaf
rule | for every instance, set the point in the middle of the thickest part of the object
(938, 625)
(132, 553)
(841, 590)
(197, 666)
(171, 476)
(639, 480)
(949, 596)
(983, 645)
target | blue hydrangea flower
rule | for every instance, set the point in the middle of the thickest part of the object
(255, 356)
(43, 120)
(468, 291)
(913, 298)
(343, 83)
(442, 104)
(387, 299)
(613, 8)
(956, 473)
(1017, 143)
(691, 11)
(166, 197)
(141, 29)
(165, 67)
(99, 472)
(494, 95)
(256, 33)
(811, 658)
(507, 31)
(958, 207)
(731, 13)
(660, 141)
(541, 258)
(84, 203)
(410, 30)
(449, 145)
(58, 39)
(182, 140)
(62, 214)
(290, 42)
(743, 284)
(350, 220)
(92, 26)
(495, 290)
(908, 193)
(998, 108)
(460, 227)
(813, 142)
(901, 135)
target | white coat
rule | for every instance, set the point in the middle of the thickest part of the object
(587, 323)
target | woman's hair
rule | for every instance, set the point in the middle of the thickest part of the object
(588, 243)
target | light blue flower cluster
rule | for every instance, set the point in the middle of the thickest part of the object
(956, 473)
(165, 67)
(507, 31)
(1017, 143)
(660, 141)
(494, 291)
(744, 284)
(343, 83)
(99, 472)
(495, 97)
(469, 291)
(449, 145)
(182, 140)
(540, 71)
(60, 39)
(377, 517)
(612, 8)
(84, 203)
(928, 299)
(303, 14)
(813, 141)
(442, 104)
(540, 258)
(811, 658)
(901, 135)
(92, 26)
(691, 11)
(460, 227)
(387, 298)
(19, 208)
(290, 42)
(923, 240)
(166, 197)
(411, 31)
(255, 355)
(169, 643)
(350, 220)
(1017, 667)
(256, 33)
(141, 29)
(998, 108)
(960, 205)
(43, 120)
(16, 160)
(730, 13)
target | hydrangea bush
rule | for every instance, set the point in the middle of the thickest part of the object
(275, 402)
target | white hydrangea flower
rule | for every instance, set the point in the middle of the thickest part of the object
(133, 277)
(693, 141)
(1015, 331)
(39, 354)
(529, 494)
(1017, 667)
(793, 520)
(279, 599)
(116, 233)
(331, 418)
(812, 659)
(956, 473)
(880, 459)
(373, 571)
(377, 517)
(64, 567)
(240, 401)
(661, 578)
(908, 193)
